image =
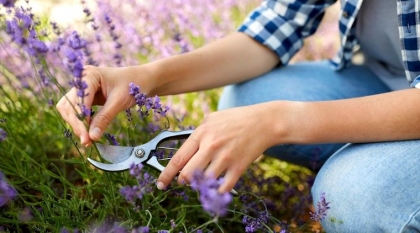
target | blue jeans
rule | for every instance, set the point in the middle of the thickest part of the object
(371, 187)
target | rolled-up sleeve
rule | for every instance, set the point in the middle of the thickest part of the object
(282, 25)
(415, 83)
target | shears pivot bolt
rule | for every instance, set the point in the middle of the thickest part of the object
(140, 153)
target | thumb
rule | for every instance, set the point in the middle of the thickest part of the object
(103, 119)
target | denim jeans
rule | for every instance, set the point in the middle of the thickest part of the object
(370, 187)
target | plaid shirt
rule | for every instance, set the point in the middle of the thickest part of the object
(283, 24)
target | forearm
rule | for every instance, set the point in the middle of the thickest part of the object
(232, 59)
(384, 117)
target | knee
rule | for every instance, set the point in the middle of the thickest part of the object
(364, 195)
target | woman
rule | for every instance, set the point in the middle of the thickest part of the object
(291, 111)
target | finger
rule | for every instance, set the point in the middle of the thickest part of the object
(104, 118)
(198, 162)
(217, 166)
(230, 179)
(67, 109)
(177, 162)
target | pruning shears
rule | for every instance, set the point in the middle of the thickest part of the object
(121, 158)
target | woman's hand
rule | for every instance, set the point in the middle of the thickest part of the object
(226, 142)
(106, 86)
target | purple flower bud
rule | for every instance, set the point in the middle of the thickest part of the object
(67, 133)
(212, 201)
(321, 209)
(111, 139)
(75, 42)
(73, 55)
(78, 68)
(134, 89)
(7, 3)
(7, 192)
(85, 112)
(3, 135)
(25, 215)
(141, 230)
(128, 193)
(37, 47)
(26, 19)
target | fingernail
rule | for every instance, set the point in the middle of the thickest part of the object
(160, 185)
(95, 133)
(83, 140)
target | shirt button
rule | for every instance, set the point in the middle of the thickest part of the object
(345, 14)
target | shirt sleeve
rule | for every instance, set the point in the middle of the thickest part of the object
(282, 25)
(415, 83)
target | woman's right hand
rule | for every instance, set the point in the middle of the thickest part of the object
(107, 86)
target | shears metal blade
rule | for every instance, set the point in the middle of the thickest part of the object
(122, 157)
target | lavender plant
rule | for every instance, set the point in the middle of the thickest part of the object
(46, 185)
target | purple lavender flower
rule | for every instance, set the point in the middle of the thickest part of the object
(111, 139)
(129, 115)
(212, 201)
(25, 215)
(77, 73)
(36, 47)
(7, 192)
(134, 89)
(7, 3)
(73, 55)
(152, 128)
(3, 135)
(136, 170)
(75, 41)
(55, 28)
(22, 32)
(24, 18)
(321, 210)
(253, 224)
(110, 227)
(67, 133)
(145, 103)
(141, 230)
(117, 45)
(145, 184)
(75, 65)
(15, 32)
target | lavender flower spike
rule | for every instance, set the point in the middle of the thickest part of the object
(7, 3)
(321, 210)
(3, 135)
(75, 42)
(7, 192)
(212, 201)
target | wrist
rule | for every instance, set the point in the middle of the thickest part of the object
(142, 75)
(283, 122)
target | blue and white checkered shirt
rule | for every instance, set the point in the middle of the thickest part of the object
(283, 24)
